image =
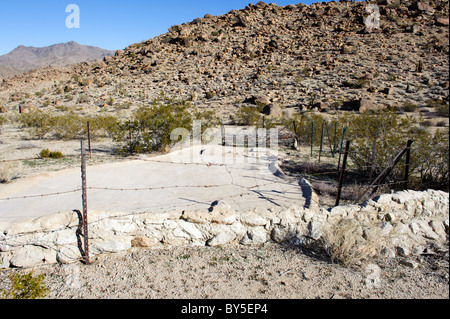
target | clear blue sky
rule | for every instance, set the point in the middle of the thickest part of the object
(109, 24)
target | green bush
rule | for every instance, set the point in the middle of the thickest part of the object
(45, 153)
(67, 126)
(26, 287)
(409, 107)
(150, 127)
(249, 116)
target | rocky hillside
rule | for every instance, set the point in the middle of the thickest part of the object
(26, 58)
(299, 57)
(7, 71)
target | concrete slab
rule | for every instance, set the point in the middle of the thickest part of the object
(186, 179)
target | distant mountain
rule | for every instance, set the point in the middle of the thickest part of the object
(25, 58)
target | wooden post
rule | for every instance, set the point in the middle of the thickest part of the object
(407, 164)
(340, 150)
(312, 136)
(89, 139)
(341, 175)
(84, 200)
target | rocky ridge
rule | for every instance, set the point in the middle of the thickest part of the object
(299, 57)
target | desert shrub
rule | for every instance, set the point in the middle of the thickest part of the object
(46, 153)
(25, 286)
(439, 105)
(102, 125)
(9, 171)
(38, 122)
(249, 116)
(150, 127)
(67, 126)
(409, 107)
(428, 152)
(2, 119)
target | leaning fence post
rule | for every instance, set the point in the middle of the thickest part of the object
(341, 175)
(312, 136)
(373, 155)
(84, 201)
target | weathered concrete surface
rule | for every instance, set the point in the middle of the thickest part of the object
(244, 177)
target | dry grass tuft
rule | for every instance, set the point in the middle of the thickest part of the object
(9, 171)
(350, 242)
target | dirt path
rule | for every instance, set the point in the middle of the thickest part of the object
(259, 272)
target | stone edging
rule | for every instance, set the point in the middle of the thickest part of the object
(416, 218)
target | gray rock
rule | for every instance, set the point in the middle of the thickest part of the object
(314, 231)
(282, 234)
(409, 263)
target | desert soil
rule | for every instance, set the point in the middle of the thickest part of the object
(271, 271)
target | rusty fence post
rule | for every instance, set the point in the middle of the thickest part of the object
(341, 175)
(84, 201)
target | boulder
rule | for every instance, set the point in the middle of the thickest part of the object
(273, 110)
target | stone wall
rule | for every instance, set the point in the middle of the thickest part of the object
(412, 220)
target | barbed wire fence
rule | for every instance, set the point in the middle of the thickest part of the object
(337, 150)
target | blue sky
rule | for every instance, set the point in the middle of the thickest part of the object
(109, 24)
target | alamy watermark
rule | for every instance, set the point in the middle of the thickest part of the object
(73, 19)
(242, 145)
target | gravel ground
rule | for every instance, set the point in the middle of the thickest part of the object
(270, 271)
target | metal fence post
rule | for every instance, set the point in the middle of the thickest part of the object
(341, 175)
(84, 200)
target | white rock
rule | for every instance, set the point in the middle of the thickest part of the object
(111, 245)
(189, 228)
(222, 238)
(253, 219)
(68, 254)
(58, 221)
(254, 236)
(28, 256)
(438, 228)
(66, 236)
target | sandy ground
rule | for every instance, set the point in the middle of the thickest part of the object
(270, 271)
